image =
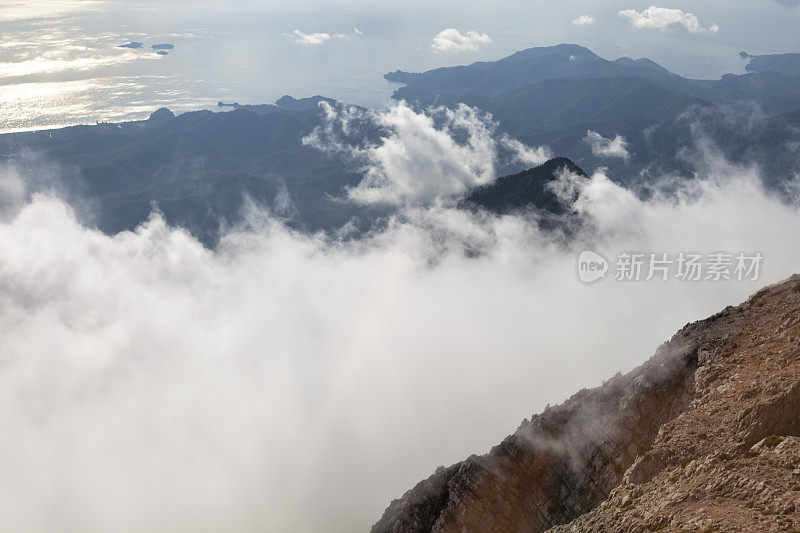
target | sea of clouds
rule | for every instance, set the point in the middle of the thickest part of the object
(294, 382)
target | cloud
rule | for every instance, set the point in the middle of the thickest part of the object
(150, 384)
(417, 161)
(452, 40)
(789, 3)
(665, 19)
(310, 38)
(13, 190)
(320, 38)
(418, 158)
(602, 147)
(522, 153)
(583, 20)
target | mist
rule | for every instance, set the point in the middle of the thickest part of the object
(294, 382)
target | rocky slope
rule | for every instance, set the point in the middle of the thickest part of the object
(702, 437)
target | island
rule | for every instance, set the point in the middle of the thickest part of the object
(164, 46)
(132, 44)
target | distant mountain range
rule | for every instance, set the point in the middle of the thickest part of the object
(554, 95)
(772, 82)
(198, 167)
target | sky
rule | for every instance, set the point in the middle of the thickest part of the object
(60, 62)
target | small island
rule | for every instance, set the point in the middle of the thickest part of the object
(132, 44)
(163, 46)
(162, 53)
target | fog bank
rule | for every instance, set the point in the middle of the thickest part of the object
(287, 382)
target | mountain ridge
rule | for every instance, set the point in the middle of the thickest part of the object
(570, 62)
(199, 166)
(554, 95)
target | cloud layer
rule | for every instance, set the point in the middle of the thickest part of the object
(149, 384)
(666, 19)
(452, 40)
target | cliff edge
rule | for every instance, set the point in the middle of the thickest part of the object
(702, 437)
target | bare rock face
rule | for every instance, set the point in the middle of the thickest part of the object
(703, 437)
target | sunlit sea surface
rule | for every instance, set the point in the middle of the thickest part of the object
(61, 63)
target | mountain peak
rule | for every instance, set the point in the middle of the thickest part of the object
(161, 115)
(642, 62)
(524, 190)
(562, 50)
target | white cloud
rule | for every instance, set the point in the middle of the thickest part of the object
(583, 20)
(149, 384)
(616, 147)
(666, 19)
(418, 160)
(319, 38)
(452, 40)
(523, 153)
(310, 38)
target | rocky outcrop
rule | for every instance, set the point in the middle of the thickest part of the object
(701, 437)
(161, 115)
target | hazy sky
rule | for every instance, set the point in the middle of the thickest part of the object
(65, 52)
